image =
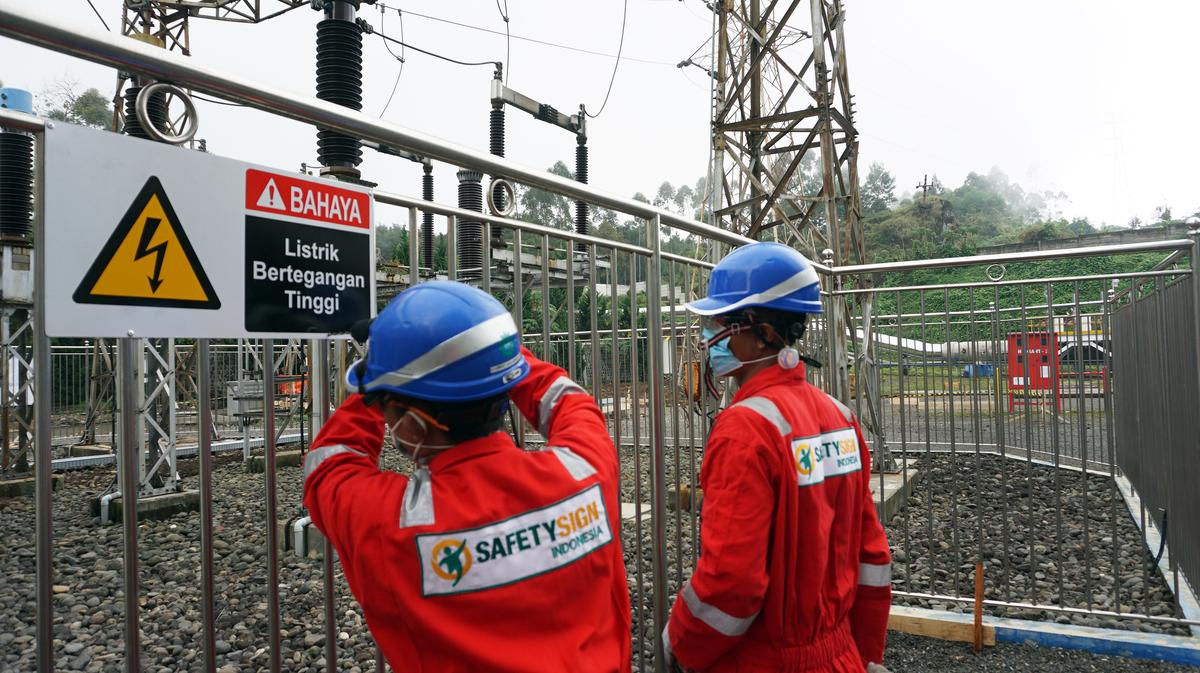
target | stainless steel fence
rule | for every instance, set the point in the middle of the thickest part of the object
(1000, 402)
(1157, 425)
(607, 311)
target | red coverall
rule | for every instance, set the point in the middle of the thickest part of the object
(794, 571)
(490, 558)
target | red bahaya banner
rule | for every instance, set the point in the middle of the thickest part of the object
(318, 200)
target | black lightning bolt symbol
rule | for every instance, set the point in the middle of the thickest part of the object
(144, 249)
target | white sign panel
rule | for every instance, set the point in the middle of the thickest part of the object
(150, 240)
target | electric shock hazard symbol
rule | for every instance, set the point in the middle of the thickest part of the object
(148, 260)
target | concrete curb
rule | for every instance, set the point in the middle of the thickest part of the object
(1131, 644)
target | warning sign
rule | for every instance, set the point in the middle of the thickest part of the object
(148, 260)
(270, 197)
(320, 201)
(308, 271)
(148, 240)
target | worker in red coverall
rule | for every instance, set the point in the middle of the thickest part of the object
(794, 571)
(490, 557)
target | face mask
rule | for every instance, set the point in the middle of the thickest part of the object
(721, 360)
(416, 447)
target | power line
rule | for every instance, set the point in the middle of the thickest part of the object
(214, 100)
(620, 47)
(433, 54)
(507, 40)
(396, 84)
(98, 16)
(545, 43)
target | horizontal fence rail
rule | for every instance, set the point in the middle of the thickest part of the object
(1000, 405)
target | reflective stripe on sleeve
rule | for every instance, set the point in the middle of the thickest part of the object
(722, 622)
(576, 465)
(841, 407)
(561, 387)
(317, 456)
(767, 409)
(871, 575)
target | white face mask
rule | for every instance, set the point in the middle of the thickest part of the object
(415, 448)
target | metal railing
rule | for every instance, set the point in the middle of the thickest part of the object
(1155, 351)
(999, 402)
(581, 293)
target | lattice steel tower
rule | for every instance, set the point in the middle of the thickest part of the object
(785, 163)
(785, 157)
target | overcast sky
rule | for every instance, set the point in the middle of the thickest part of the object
(1090, 98)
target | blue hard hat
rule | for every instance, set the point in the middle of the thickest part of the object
(770, 275)
(441, 341)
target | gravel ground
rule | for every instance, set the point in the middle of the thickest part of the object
(913, 654)
(88, 616)
(1049, 537)
(88, 575)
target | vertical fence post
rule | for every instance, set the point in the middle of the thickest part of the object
(44, 483)
(127, 355)
(1195, 236)
(658, 494)
(414, 248)
(204, 386)
(272, 519)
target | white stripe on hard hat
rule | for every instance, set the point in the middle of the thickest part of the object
(803, 279)
(457, 347)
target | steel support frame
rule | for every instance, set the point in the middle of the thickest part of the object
(16, 388)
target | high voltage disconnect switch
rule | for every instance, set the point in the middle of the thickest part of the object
(503, 95)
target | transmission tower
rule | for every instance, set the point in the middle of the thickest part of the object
(785, 147)
(785, 160)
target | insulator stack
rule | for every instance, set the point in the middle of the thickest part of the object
(339, 80)
(16, 185)
(496, 141)
(581, 175)
(427, 217)
(470, 234)
(156, 108)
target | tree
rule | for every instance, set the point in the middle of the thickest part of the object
(879, 190)
(89, 108)
(1162, 214)
(546, 208)
(1135, 222)
(666, 195)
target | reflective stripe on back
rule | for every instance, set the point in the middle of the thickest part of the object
(767, 409)
(416, 507)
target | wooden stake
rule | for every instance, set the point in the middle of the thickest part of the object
(978, 606)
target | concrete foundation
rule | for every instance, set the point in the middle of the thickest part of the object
(897, 486)
(23, 486)
(81, 450)
(629, 511)
(310, 543)
(254, 465)
(153, 507)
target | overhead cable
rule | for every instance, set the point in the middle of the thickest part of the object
(367, 28)
(620, 47)
(98, 16)
(400, 57)
(507, 40)
(545, 43)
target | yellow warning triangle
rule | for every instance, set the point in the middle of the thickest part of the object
(148, 260)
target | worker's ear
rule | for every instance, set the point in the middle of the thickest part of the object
(768, 337)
